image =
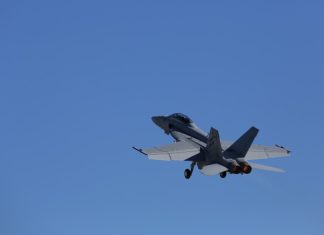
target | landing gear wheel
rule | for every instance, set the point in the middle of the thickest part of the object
(187, 173)
(222, 174)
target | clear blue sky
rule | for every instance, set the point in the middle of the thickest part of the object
(79, 82)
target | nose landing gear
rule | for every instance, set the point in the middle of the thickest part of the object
(187, 172)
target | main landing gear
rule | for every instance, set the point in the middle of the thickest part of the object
(187, 172)
(222, 174)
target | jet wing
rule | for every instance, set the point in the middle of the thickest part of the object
(261, 152)
(178, 151)
(213, 169)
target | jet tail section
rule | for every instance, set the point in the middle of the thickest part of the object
(214, 148)
(240, 147)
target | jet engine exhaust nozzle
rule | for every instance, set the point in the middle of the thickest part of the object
(246, 169)
(235, 169)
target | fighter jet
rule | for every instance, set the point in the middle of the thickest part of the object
(207, 151)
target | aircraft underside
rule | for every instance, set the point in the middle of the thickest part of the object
(207, 151)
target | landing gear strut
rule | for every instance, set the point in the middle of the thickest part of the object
(222, 174)
(187, 172)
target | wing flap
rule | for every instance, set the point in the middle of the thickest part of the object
(178, 151)
(263, 152)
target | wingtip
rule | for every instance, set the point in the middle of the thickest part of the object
(139, 150)
(282, 147)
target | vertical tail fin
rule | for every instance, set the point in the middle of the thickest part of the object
(240, 147)
(214, 148)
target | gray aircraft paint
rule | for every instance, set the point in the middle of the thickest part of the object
(207, 150)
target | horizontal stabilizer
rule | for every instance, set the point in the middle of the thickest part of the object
(213, 169)
(265, 168)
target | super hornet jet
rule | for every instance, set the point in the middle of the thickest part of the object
(208, 152)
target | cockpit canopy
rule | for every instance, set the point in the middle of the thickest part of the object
(182, 118)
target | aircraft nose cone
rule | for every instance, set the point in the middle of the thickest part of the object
(157, 120)
(162, 122)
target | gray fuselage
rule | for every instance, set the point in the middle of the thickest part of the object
(182, 128)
